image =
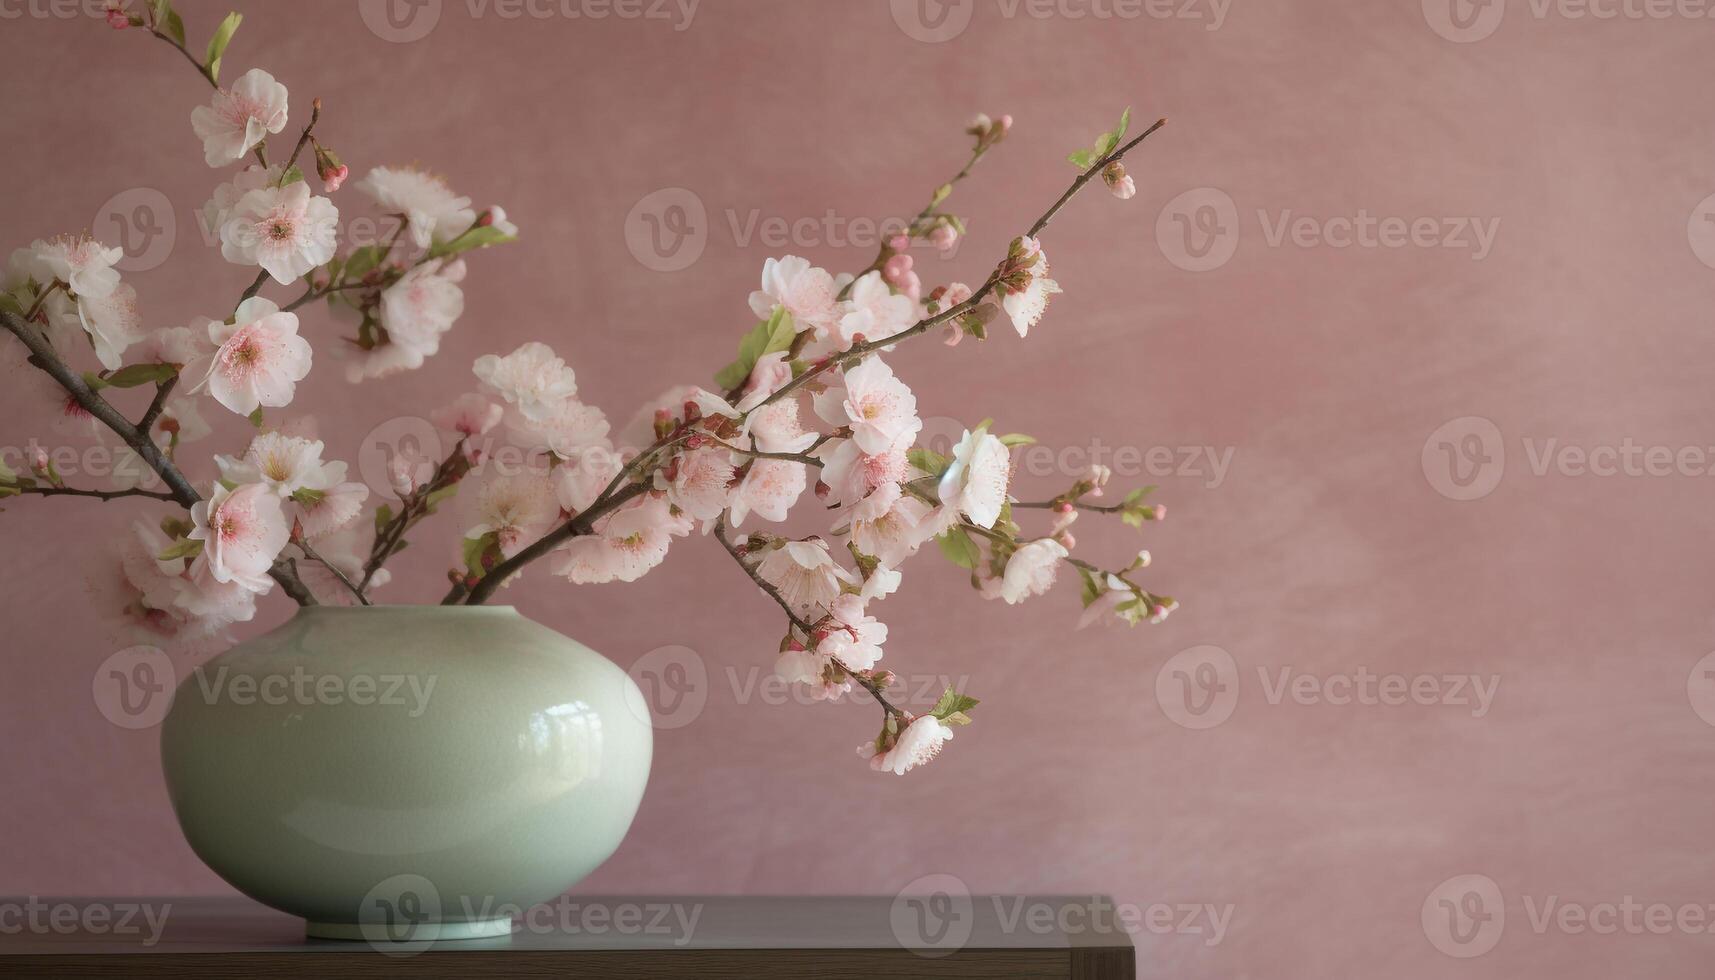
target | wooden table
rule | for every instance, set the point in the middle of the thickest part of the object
(587, 936)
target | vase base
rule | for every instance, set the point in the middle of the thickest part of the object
(421, 933)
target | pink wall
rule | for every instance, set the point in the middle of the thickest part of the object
(1328, 547)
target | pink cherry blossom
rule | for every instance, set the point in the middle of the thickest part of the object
(580, 480)
(1025, 307)
(82, 263)
(776, 428)
(975, 483)
(285, 464)
(1031, 570)
(855, 638)
(422, 306)
(112, 323)
(532, 377)
(242, 531)
(887, 525)
(258, 360)
(284, 230)
(880, 409)
(851, 474)
(805, 574)
(240, 117)
(920, 742)
(332, 508)
(700, 483)
(218, 208)
(874, 311)
(517, 509)
(808, 294)
(628, 544)
(768, 490)
(470, 415)
(770, 374)
(432, 211)
(566, 430)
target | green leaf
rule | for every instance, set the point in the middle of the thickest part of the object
(133, 375)
(927, 460)
(256, 417)
(772, 335)
(383, 517)
(1092, 589)
(167, 21)
(479, 236)
(1017, 439)
(292, 175)
(953, 703)
(1105, 144)
(217, 45)
(957, 545)
(436, 497)
(308, 497)
(10, 304)
(476, 548)
(182, 548)
(362, 262)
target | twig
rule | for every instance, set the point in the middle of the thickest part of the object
(42, 355)
(97, 494)
(858, 352)
(388, 541)
(865, 679)
(158, 405)
(582, 524)
(309, 552)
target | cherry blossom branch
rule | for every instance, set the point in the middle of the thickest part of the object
(1058, 501)
(43, 356)
(158, 405)
(303, 544)
(389, 541)
(582, 524)
(304, 137)
(97, 494)
(983, 146)
(202, 69)
(857, 352)
(610, 498)
(865, 679)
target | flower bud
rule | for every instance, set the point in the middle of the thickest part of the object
(1066, 540)
(899, 243)
(1119, 181)
(944, 237)
(1143, 558)
(329, 168)
(39, 461)
(117, 19)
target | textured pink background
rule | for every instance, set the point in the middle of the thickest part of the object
(1323, 369)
